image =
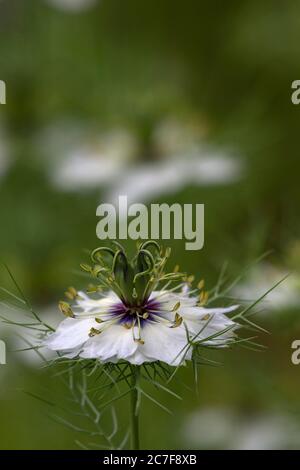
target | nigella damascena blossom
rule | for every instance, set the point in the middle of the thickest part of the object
(137, 319)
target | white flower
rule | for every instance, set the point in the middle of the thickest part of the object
(77, 157)
(260, 280)
(147, 181)
(135, 318)
(226, 428)
(108, 330)
(22, 341)
(182, 158)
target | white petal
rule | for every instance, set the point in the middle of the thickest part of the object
(115, 342)
(204, 322)
(164, 344)
(199, 313)
(71, 333)
(169, 299)
(87, 304)
(138, 357)
(201, 331)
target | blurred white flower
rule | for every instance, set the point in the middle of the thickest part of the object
(80, 158)
(269, 432)
(225, 428)
(261, 278)
(210, 428)
(72, 5)
(145, 182)
(181, 159)
(95, 163)
(173, 137)
(20, 339)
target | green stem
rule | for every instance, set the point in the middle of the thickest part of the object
(134, 409)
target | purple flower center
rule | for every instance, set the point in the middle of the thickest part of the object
(132, 314)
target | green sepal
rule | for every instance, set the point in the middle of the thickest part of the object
(123, 276)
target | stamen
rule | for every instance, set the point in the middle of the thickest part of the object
(92, 289)
(133, 325)
(177, 321)
(206, 317)
(65, 309)
(71, 293)
(159, 319)
(203, 298)
(139, 326)
(93, 332)
(176, 307)
(86, 267)
(140, 341)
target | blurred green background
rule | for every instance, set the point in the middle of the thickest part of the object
(164, 101)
